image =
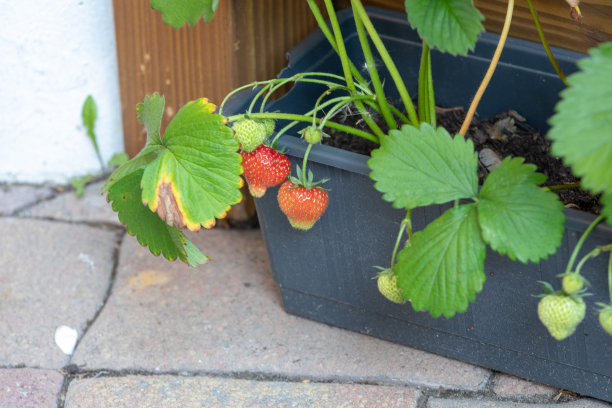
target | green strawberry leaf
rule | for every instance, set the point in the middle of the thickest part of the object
(195, 177)
(417, 167)
(443, 268)
(450, 26)
(144, 157)
(581, 126)
(149, 229)
(178, 12)
(150, 114)
(516, 216)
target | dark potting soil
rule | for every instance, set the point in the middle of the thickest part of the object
(506, 134)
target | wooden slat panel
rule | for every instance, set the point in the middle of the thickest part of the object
(183, 64)
(559, 28)
(246, 41)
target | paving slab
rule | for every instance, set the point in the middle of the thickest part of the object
(508, 386)
(176, 391)
(29, 388)
(476, 403)
(15, 197)
(92, 207)
(226, 317)
(51, 274)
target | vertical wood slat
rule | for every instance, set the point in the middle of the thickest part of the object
(559, 28)
(246, 41)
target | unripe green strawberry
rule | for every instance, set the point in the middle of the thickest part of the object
(269, 124)
(572, 282)
(249, 133)
(387, 286)
(264, 167)
(605, 318)
(561, 314)
(313, 135)
(303, 206)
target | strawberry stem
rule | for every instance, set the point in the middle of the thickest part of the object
(551, 57)
(406, 224)
(487, 78)
(595, 252)
(345, 61)
(304, 118)
(304, 180)
(371, 65)
(583, 238)
(388, 61)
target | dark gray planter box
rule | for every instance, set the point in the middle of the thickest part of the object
(325, 274)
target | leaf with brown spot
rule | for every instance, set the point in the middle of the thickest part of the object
(148, 228)
(195, 178)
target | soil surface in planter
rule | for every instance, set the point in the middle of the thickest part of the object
(507, 134)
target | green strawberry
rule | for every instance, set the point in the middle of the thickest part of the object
(387, 286)
(573, 282)
(269, 124)
(605, 318)
(249, 133)
(313, 135)
(561, 314)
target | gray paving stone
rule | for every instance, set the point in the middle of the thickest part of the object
(509, 386)
(29, 388)
(15, 197)
(173, 391)
(92, 207)
(51, 274)
(226, 316)
(475, 403)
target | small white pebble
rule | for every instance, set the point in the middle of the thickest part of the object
(66, 338)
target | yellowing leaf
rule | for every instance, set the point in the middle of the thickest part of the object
(196, 175)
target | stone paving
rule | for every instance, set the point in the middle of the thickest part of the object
(152, 333)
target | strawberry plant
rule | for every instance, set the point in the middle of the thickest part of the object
(191, 175)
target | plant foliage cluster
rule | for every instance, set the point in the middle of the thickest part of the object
(191, 175)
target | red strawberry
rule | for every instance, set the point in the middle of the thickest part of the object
(264, 167)
(303, 206)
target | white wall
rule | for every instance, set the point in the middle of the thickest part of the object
(52, 55)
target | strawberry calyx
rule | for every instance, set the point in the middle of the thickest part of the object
(549, 290)
(573, 282)
(313, 134)
(306, 180)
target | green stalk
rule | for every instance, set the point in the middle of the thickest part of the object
(369, 59)
(311, 113)
(583, 238)
(562, 186)
(595, 252)
(346, 68)
(426, 100)
(330, 37)
(304, 118)
(304, 179)
(610, 277)
(334, 109)
(384, 54)
(399, 114)
(406, 223)
(551, 57)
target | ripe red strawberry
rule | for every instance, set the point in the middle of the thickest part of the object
(303, 206)
(264, 167)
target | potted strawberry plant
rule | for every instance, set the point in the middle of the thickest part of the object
(450, 254)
